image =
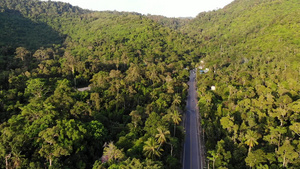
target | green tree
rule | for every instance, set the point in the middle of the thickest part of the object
(41, 54)
(62, 97)
(251, 139)
(81, 110)
(22, 53)
(61, 140)
(176, 99)
(276, 135)
(134, 73)
(12, 139)
(138, 164)
(256, 158)
(96, 101)
(227, 123)
(162, 136)
(213, 155)
(70, 63)
(100, 80)
(176, 117)
(36, 87)
(286, 153)
(152, 123)
(136, 118)
(151, 148)
(295, 127)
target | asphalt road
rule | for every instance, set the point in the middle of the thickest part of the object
(191, 154)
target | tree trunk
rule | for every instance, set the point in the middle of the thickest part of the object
(73, 72)
(171, 150)
(6, 162)
(174, 129)
(208, 164)
(50, 161)
(284, 163)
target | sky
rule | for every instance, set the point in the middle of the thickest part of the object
(169, 8)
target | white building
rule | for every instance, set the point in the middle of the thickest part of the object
(206, 70)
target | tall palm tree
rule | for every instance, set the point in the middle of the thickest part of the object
(151, 148)
(251, 139)
(176, 118)
(173, 115)
(162, 136)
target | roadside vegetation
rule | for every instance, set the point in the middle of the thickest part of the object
(252, 117)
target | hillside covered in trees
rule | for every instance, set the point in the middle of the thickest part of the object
(136, 66)
(253, 53)
(131, 115)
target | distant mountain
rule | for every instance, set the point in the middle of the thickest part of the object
(265, 24)
(34, 24)
(173, 23)
(23, 22)
(17, 30)
(35, 8)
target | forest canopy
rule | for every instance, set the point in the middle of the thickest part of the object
(137, 68)
(134, 67)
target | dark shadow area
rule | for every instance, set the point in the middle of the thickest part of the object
(16, 31)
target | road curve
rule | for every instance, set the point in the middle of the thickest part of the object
(191, 154)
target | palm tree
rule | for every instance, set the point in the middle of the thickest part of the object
(17, 159)
(176, 118)
(251, 138)
(151, 148)
(161, 136)
(176, 99)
